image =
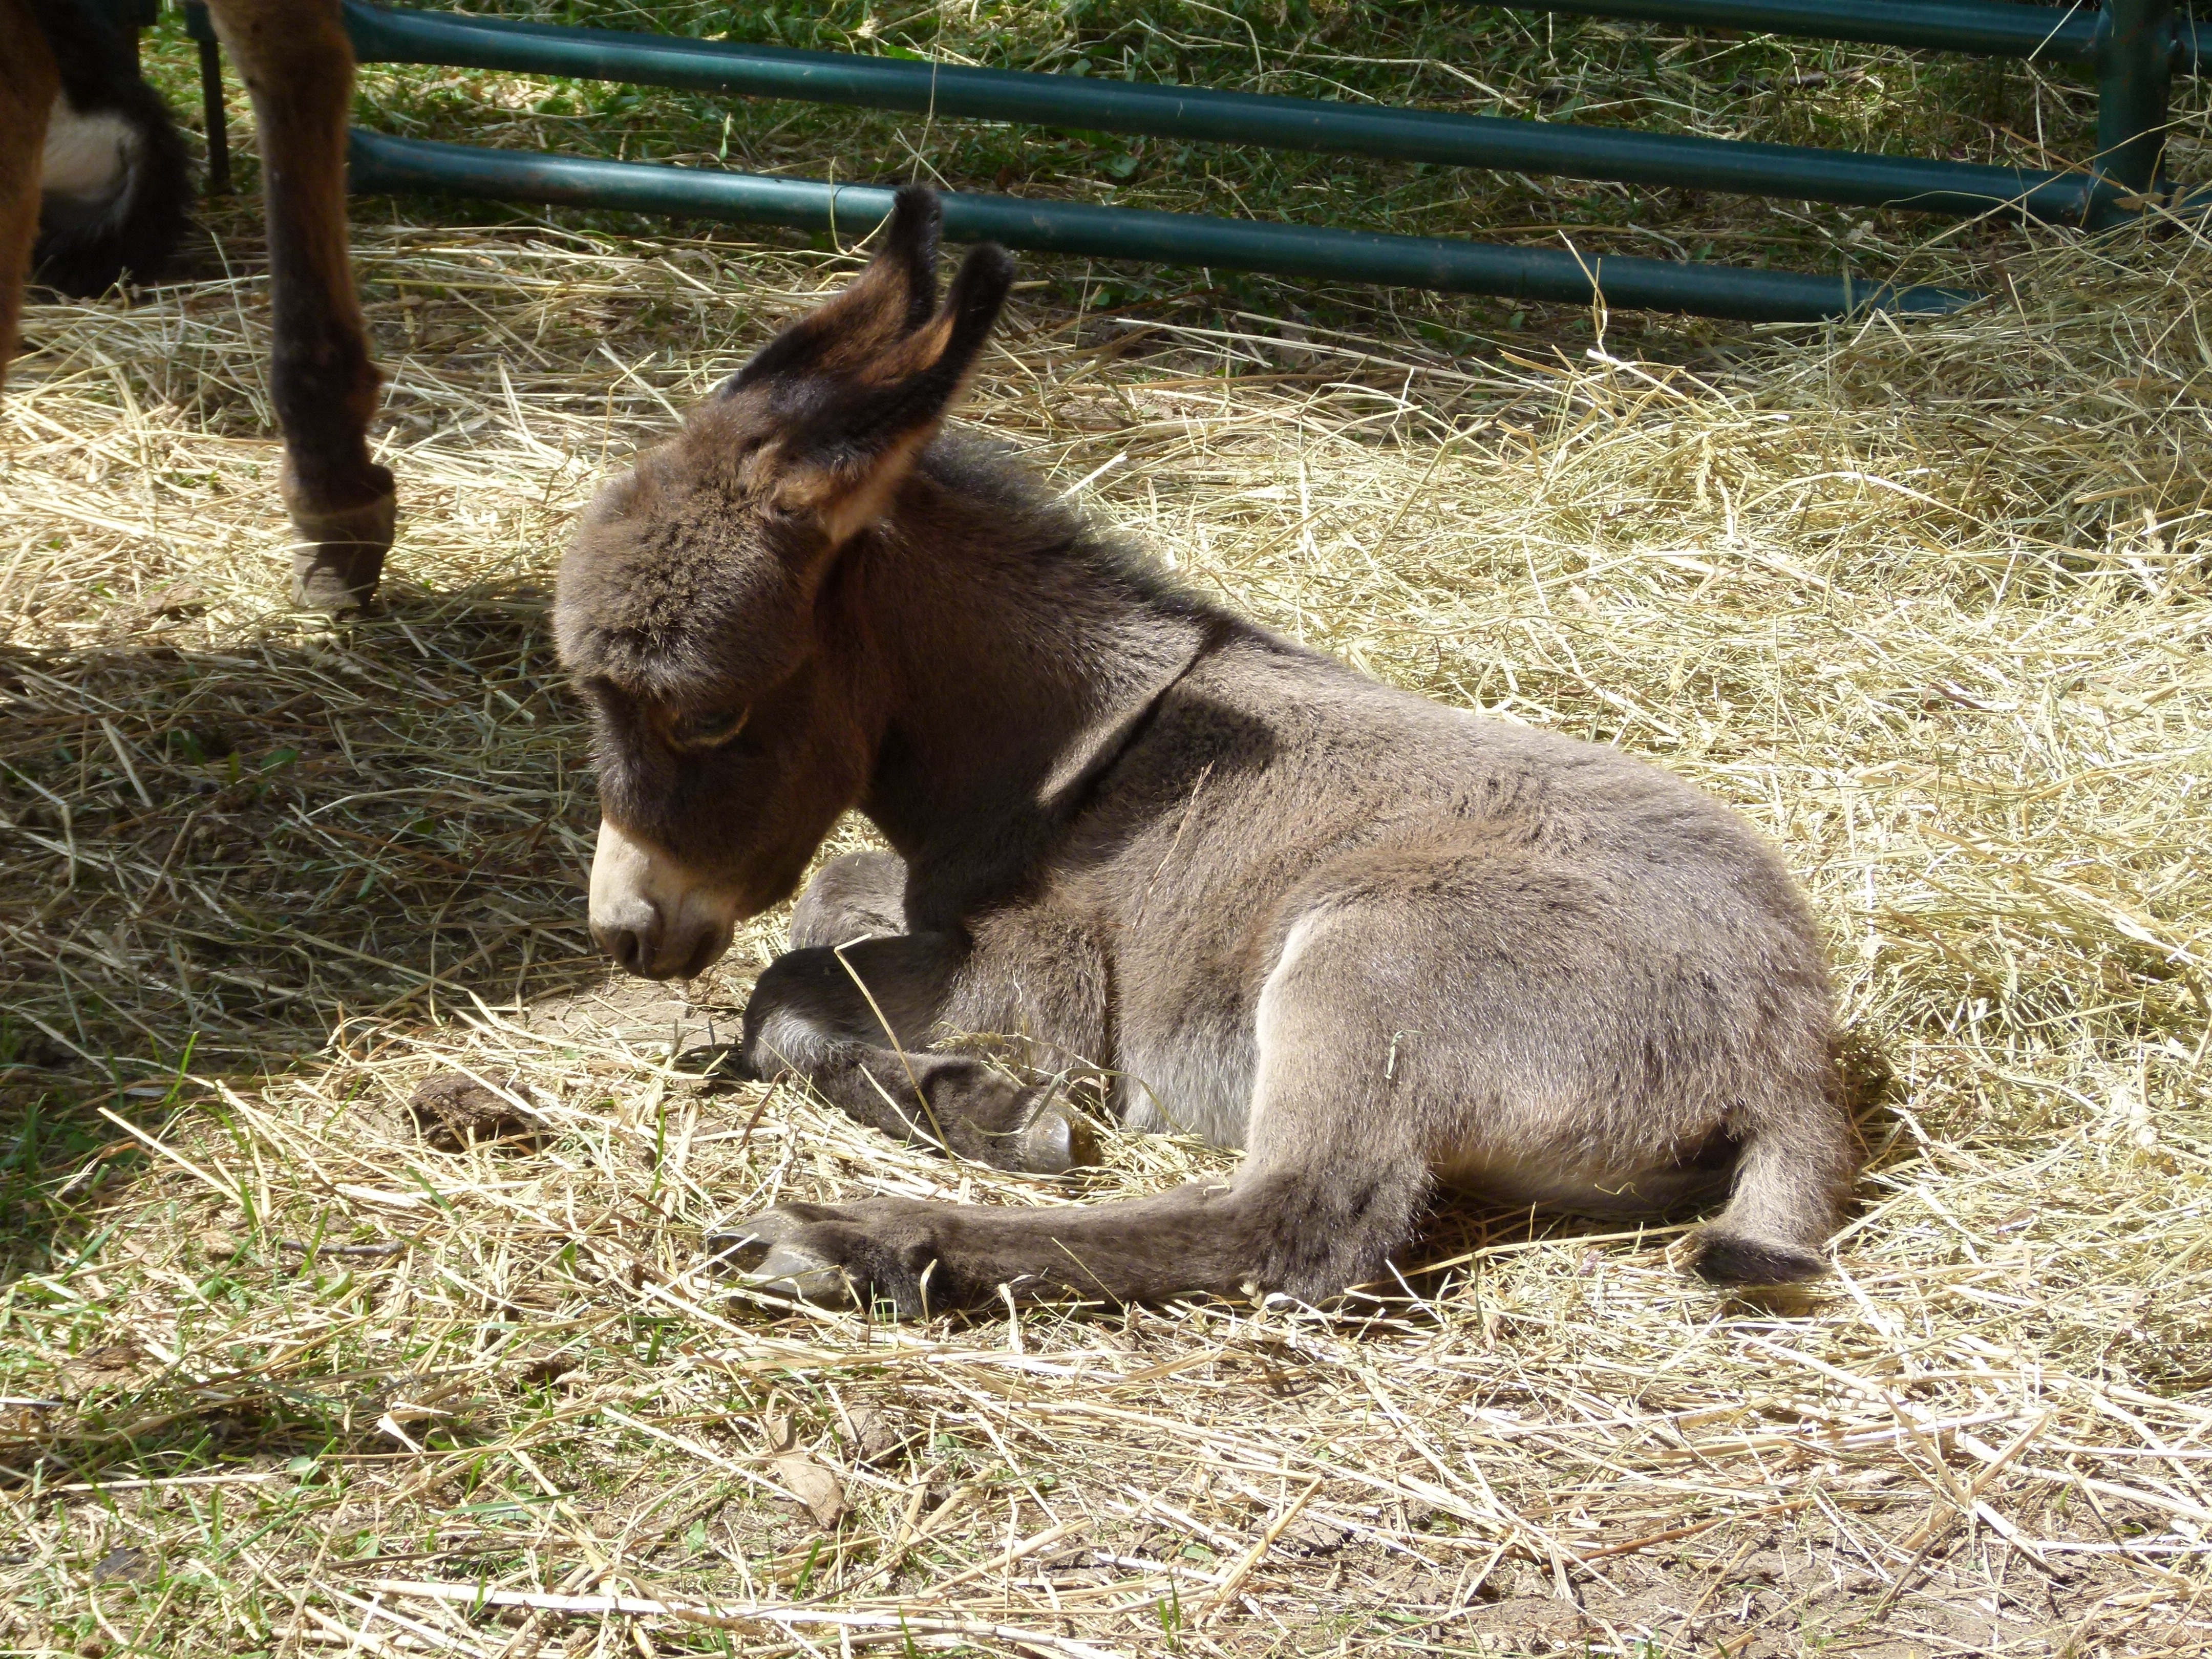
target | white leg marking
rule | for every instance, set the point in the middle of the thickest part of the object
(87, 156)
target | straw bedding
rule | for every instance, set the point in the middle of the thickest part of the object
(296, 1357)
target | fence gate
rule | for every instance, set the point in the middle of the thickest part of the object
(2137, 47)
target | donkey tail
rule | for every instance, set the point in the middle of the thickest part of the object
(1791, 1175)
(113, 182)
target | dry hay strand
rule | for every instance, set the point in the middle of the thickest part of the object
(1926, 602)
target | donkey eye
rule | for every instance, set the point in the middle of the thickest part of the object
(709, 730)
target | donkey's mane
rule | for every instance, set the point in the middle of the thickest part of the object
(1048, 531)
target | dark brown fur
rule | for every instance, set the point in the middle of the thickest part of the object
(298, 66)
(1384, 946)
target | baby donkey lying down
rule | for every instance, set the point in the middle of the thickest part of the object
(1384, 946)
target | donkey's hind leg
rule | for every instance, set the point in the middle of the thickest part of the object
(298, 66)
(1335, 1182)
(27, 98)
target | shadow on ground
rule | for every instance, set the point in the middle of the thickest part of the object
(218, 848)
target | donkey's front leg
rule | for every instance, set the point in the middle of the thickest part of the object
(26, 96)
(298, 66)
(848, 1020)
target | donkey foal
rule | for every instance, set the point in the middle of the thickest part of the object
(1383, 945)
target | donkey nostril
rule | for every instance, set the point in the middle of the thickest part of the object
(625, 944)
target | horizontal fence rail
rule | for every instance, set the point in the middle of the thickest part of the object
(2136, 45)
(378, 162)
(1553, 147)
(1990, 29)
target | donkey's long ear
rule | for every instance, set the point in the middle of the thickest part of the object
(848, 454)
(892, 297)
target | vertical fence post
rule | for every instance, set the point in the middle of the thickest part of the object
(2134, 48)
(201, 28)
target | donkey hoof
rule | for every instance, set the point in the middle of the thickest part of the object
(1057, 1140)
(797, 1274)
(341, 557)
(336, 577)
(759, 1254)
(740, 1246)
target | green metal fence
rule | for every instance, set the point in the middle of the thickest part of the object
(2136, 46)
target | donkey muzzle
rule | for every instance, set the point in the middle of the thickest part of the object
(650, 914)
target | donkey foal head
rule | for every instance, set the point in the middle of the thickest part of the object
(698, 607)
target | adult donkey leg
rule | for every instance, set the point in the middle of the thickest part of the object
(298, 66)
(27, 85)
(1336, 1180)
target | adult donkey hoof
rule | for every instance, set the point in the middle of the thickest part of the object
(760, 1253)
(340, 557)
(1056, 1139)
